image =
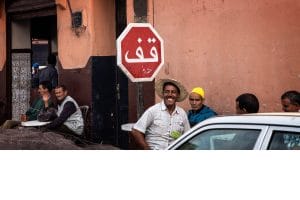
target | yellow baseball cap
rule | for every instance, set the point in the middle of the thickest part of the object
(199, 90)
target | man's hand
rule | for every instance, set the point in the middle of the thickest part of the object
(24, 118)
(46, 97)
(46, 100)
(139, 139)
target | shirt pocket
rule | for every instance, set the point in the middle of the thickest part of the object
(178, 125)
(161, 124)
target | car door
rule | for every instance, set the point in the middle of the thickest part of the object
(223, 137)
(282, 138)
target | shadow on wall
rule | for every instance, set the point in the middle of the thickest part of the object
(2, 112)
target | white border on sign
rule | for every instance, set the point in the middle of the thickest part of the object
(119, 51)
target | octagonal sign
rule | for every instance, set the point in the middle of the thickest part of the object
(140, 52)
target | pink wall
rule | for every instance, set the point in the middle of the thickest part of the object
(2, 35)
(229, 47)
(97, 38)
(104, 27)
(129, 11)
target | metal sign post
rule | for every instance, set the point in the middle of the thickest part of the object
(140, 55)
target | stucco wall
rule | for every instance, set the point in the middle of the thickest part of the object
(2, 36)
(229, 47)
(129, 11)
(74, 51)
(105, 28)
(97, 38)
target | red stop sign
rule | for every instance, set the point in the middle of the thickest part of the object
(140, 52)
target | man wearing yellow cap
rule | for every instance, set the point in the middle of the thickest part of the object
(199, 111)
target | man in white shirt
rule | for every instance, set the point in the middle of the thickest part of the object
(164, 122)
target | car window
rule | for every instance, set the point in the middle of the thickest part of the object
(285, 140)
(222, 139)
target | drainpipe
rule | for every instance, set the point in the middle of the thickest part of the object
(71, 11)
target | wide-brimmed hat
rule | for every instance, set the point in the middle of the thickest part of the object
(160, 84)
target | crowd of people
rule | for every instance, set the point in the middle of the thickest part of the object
(159, 125)
(62, 111)
(164, 122)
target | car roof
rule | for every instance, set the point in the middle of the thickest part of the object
(269, 119)
(290, 119)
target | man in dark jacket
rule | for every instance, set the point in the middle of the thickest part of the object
(49, 73)
(199, 111)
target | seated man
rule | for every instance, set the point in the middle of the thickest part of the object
(44, 90)
(290, 101)
(246, 103)
(69, 118)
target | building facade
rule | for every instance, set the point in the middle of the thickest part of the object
(228, 47)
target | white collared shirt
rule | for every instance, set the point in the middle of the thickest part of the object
(157, 124)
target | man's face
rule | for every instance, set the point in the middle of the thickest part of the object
(196, 101)
(60, 94)
(170, 95)
(42, 90)
(287, 106)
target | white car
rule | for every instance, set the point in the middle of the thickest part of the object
(262, 131)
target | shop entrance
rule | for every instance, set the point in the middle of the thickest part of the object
(31, 37)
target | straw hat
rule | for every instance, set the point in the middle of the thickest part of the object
(160, 84)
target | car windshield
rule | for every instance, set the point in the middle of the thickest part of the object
(223, 139)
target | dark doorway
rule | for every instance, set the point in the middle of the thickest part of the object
(27, 21)
(43, 42)
(43, 38)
